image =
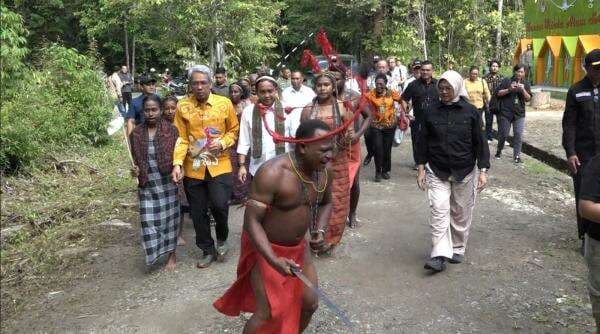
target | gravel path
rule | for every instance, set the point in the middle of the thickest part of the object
(522, 272)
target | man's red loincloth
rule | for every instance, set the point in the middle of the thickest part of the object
(284, 293)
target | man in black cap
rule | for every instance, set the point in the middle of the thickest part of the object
(135, 115)
(581, 125)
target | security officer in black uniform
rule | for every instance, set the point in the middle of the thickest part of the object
(581, 124)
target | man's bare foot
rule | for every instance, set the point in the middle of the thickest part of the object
(171, 262)
(352, 221)
(180, 241)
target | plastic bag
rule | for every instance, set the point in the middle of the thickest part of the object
(398, 137)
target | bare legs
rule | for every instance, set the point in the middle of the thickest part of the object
(354, 197)
(171, 261)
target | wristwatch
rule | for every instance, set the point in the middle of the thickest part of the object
(241, 164)
(484, 170)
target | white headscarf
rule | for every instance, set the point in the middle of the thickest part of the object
(457, 82)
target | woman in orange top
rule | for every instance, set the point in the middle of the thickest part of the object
(383, 125)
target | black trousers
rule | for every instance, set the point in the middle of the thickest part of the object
(369, 142)
(489, 124)
(127, 100)
(382, 144)
(577, 187)
(214, 192)
(414, 132)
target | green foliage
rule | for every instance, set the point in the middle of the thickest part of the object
(463, 31)
(172, 33)
(12, 49)
(63, 103)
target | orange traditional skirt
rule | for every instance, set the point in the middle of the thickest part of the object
(284, 293)
(353, 162)
(340, 191)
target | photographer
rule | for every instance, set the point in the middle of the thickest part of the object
(512, 95)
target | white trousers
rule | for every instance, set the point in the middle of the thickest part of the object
(452, 206)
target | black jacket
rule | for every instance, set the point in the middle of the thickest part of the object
(590, 191)
(451, 140)
(581, 121)
(511, 105)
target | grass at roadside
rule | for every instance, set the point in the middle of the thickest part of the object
(537, 167)
(56, 210)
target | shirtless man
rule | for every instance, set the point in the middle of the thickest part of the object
(289, 194)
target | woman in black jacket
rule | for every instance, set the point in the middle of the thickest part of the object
(450, 146)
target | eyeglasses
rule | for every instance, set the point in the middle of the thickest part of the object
(445, 88)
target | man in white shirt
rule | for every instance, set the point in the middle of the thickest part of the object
(351, 83)
(395, 72)
(254, 139)
(297, 95)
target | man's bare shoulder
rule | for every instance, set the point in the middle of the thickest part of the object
(272, 171)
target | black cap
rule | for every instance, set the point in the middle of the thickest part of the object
(146, 79)
(376, 58)
(416, 63)
(592, 58)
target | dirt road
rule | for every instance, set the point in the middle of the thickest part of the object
(522, 272)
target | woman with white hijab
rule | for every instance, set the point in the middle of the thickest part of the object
(450, 149)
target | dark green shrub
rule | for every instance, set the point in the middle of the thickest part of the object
(61, 104)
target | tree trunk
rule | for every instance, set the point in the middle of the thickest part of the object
(499, 30)
(126, 43)
(422, 32)
(133, 57)
(378, 20)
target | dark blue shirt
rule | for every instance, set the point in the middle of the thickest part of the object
(137, 109)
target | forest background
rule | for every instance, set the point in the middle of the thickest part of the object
(54, 53)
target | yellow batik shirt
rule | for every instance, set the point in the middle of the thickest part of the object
(191, 119)
(479, 93)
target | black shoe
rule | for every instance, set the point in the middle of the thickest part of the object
(436, 264)
(367, 160)
(378, 177)
(457, 258)
(518, 160)
(498, 155)
(385, 176)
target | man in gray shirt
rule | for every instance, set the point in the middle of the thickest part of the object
(220, 87)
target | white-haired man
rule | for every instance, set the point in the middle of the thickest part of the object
(208, 127)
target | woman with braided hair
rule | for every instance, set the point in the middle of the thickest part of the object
(327, 108)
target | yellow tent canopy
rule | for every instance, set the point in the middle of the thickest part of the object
(586, 43)
(589, 42)
(554, 43)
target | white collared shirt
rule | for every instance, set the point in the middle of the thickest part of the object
(244, 145)
(352, 85)
(297, 99)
